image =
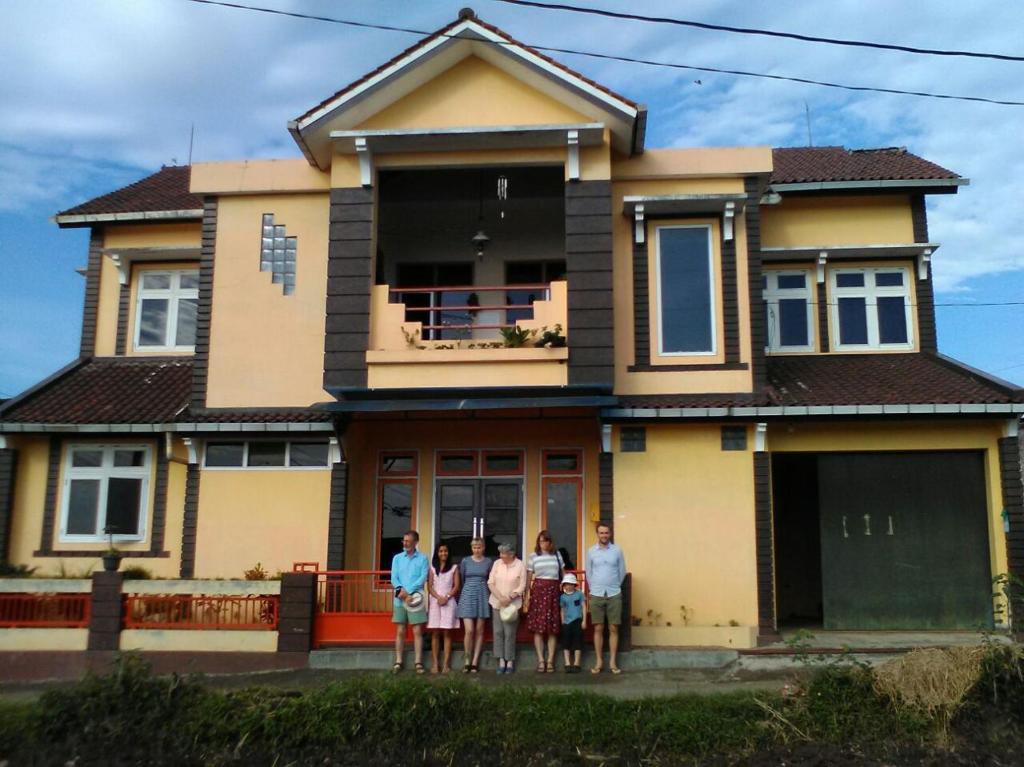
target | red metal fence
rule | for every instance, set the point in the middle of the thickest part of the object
(452, 312)
(201, 612)
(44, 610)
(353, 607)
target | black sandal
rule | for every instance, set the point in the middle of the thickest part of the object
(473, 669)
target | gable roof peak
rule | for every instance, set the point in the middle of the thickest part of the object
(467, 35)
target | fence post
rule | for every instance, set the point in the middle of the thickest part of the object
(626, 627)
(297, 608)
(105, 611)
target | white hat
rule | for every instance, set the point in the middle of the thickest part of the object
(570, 578)
(415, 603)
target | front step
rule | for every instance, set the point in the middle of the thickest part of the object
(637, 659)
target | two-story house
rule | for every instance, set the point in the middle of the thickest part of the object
(479, 305)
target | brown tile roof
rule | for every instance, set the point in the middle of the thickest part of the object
(881, 379)
(135, 390)
(835, 163)
(167, 189)
(447, 30)
(109, 390)
(256, 415)
(853, 379)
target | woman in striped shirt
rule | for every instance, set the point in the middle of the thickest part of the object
(544, 618)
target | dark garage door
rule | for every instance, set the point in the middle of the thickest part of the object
(904, 541)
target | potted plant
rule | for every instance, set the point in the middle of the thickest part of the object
(112, 556)
(516, 337)
(552, 339)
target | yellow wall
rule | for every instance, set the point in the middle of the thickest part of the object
(43, 639)
(274, 517)
(889, 435)
(473, 93)
(29, 501)
(248, 176)
(106, 310)
(266, 348)
(365, 439)
(684, 516)
(198, 641)
(814, 221)
(702, 162)
(188, 235)
(687, 382)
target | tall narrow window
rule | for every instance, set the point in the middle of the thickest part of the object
(871, 308)
(789, 311)
(165, 317)
(396, 502)
(563, 501)
(686, 302)
(105, 493)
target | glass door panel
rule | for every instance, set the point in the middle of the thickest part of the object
(501, 514)
(562, 503)
(456, 516)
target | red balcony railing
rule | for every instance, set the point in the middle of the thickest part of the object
(456, 311)
(199, 612)
(44, 610)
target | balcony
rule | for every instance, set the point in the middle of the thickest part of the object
(468, 335)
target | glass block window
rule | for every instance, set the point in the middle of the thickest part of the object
(633, 439)
(277, 254)
(734, 438)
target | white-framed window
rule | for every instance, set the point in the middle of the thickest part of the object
(789, 310)
(105, 491)
(684, 262)
(266, 454)
(165, 311)
(871, 308)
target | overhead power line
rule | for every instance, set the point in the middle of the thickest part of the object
(762, 32)
(624, 59)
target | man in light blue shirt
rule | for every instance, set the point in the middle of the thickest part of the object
(606, 570)
(408, 575)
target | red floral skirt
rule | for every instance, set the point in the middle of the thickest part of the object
(545, 616)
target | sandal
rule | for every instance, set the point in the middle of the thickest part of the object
(396, 668)
(419, 668)
(473, 669)
(596, 669)
(616, 670)
(541, 667)
(551, 667)
(466, 668)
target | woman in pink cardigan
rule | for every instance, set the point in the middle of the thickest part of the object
(507, 583)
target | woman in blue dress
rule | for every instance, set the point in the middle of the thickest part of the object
(473, 607)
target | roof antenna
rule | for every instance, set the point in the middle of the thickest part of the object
(807, 114)
(191, 140)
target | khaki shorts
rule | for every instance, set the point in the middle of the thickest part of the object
(413, 617)
(606, 610)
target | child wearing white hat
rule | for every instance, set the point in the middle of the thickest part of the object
(574, 621)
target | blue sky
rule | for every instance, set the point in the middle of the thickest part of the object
(100, 94)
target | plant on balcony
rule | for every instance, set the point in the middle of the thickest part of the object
(112, 556)
(516, 337)
(551, 339)
(412, 339)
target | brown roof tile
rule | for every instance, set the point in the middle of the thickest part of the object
(167, 189)
(256, 415)
(444, 31)
(109, 390)
(880, 379)
(835, 163)
(853, 379)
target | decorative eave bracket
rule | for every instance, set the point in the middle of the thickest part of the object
(923, 262)
(572, 139)
(639, 228)
(365, 162)
(822, 260)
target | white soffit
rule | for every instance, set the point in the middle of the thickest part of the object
(678, 204)
(458, 139)
(809, 252)
(440, 54)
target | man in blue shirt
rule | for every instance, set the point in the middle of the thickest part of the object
(606, 570)
(409, 575)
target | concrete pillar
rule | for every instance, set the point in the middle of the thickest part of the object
(298, 607)
(105, 611)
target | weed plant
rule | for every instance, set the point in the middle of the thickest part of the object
(132, 717)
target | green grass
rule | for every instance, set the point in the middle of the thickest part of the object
(131, 717)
